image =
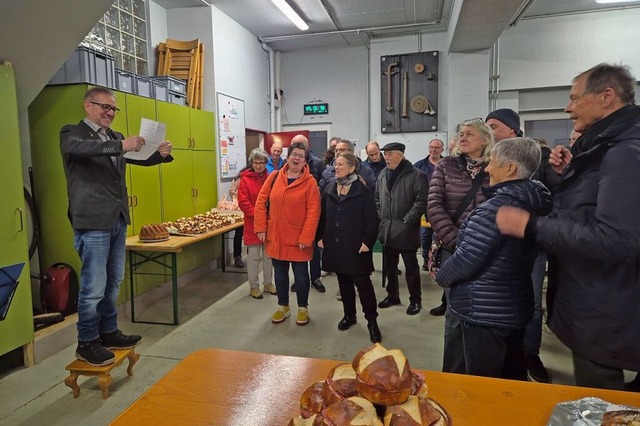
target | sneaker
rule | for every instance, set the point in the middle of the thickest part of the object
(93, 353)
(317, 285)
(281, 314)
(237, 262)
(303, 316)
(338, 295)
(293, 287)
(324, 273)
(536, 369)
(119, 340)
(270, 289)
(255, 293)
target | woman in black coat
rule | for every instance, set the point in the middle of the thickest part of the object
(347, 232)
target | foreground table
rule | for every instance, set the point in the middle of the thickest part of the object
(141, 253)
(231, 388)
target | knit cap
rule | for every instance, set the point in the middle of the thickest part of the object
(508, 117)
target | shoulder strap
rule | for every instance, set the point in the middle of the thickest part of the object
(470, 196)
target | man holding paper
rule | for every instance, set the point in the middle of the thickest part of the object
(95, 168)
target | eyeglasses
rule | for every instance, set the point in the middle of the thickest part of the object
(472, 120)
(436, 147)
(297, 155)
(106, 107)
(259, 163)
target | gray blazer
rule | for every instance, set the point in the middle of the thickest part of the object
(95, 185)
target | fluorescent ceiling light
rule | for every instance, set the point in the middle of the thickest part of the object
(291, 14)
(615, 1)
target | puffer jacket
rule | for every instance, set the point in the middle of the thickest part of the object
(248, 189)
(292, 219)
(594, 237)
(401, 208)
(489, 273)
(450, 184)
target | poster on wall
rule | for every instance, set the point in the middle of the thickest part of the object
(231, 135)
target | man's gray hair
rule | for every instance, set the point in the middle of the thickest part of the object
(525, 152)
(350, 144)
(617, 77)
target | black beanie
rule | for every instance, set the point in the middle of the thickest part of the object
(507, 116)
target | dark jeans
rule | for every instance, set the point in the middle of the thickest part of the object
(426, 236)
(493, 352)
(591, 374)
(300, 276)
(533, 332)
(391, 258)
(453, 358)
(348, 285)
(314, 263)
(237, 242)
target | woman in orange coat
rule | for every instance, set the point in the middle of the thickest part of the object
(286, 217)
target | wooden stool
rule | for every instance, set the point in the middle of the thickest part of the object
(78, 367)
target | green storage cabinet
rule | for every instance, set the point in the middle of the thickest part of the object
(16, 329)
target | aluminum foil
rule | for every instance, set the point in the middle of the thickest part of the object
(582, 412)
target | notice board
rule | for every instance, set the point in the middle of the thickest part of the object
(231, 136)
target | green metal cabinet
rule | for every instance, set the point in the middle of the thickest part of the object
(17, 328)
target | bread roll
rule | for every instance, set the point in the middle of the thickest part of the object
(311, 401)
(416, 411)
(621, 417)
(340, 384)
(418, 385)
(383, 376)
(354, 411)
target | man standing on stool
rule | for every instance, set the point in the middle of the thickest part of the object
(95, 169)
(401, 200)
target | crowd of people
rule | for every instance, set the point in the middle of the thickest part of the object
(503, 212)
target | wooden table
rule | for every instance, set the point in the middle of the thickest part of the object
(141, 253)
(231, 388)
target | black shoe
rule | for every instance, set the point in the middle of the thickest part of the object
(414, 308)
(119, 340)
(93, 353)
(536, 369)
(425, 265)
(374, 332)
(293, 287)
(317, 285)
(347, 322)
(388, 301)
(438, 311)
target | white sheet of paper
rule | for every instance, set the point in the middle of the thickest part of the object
(153, 134)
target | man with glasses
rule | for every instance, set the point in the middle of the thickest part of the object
(95, 168)
(427, 165)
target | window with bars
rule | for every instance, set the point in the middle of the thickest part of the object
(122, 33)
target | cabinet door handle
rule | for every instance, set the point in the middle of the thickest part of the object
(129, 201)
(196, 189)
(21, 220)
(135, 200)
(194, 142)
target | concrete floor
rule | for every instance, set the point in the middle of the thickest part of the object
(217, 311)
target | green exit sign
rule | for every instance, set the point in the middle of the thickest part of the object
(314, 109)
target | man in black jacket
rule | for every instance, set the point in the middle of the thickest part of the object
(95, 170)
(401, 200)
(593, 233)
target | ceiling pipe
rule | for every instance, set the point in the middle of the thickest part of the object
(340, 32)
(604, 9)
(520, 14)
(272, 88)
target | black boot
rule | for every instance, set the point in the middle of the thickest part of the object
(374, 332)
(346, 322)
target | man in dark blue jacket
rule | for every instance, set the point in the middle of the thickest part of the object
(593, 234)
(490, 274)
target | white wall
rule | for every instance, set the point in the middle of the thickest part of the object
(552, 51)
(157, 31)
(337, 76)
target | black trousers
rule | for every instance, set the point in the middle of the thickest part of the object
(591, 374)
(237, 242)
(391, 257)
(348, 285)
(493, 352)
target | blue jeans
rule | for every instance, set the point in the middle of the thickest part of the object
(300, 277)
(103, 255)
(533, 331)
